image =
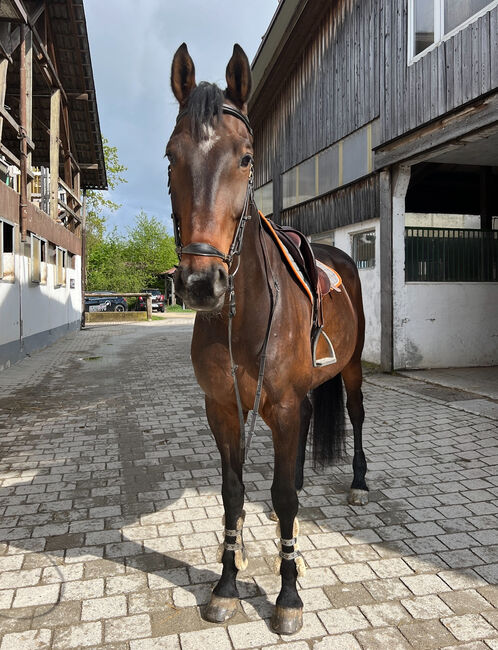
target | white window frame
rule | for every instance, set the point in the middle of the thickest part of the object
(42, 244)
(358, 233)
(439, 35)
(60, 253)
(2, 265)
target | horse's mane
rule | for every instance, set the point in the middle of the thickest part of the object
(204, 107)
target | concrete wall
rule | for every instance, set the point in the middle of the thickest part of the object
(370, 284)
(450, 324)
(47, 312)
(440, 324)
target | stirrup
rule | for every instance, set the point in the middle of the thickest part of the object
(324, 361)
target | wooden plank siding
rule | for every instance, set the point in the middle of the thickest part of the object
(330, 91)
(459, 70)
(351, 204)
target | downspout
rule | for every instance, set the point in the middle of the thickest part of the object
(23, 216)
(23, 203)
(83, 258)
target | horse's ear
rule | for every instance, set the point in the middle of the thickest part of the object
(182, 75)
(238, 77)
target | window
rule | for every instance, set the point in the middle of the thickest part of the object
(363, 249)
(264, 198)
(429, 21)
(6, 251)
(38, 260)
(343, 162)
(35, 259)
(60, 267)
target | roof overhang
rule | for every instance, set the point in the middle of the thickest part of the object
(290, 30)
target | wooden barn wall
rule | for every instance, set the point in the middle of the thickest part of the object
(459, 70)
(332, 90)
(352, 204)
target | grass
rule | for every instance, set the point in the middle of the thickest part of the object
(179, 308)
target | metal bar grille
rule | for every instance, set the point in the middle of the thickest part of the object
(451, 255)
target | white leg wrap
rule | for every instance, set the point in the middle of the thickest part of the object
(240, 557)
(294, 555)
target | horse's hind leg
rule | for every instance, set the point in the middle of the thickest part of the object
(284, 423)
(306, 411)
(352, 376)
(224, 424)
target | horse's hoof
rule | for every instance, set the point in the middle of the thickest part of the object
(273, 515)
(358, 497)
(219, 609)
(286, 620)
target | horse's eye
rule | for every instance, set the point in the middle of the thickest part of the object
(170, 157)
(246, 160)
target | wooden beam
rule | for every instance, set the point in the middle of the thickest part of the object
(4, 64)
(55, 111)
(29, 96)
(21, 10)
(419, 145)
(45, 59)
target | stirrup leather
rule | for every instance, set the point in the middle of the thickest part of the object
(324, 361)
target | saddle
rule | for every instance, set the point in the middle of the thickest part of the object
(314, 277)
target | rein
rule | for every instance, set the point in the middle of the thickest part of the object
(208, 250)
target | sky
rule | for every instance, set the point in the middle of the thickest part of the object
(132, 45)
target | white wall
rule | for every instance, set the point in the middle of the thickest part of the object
(450, 324)
(370, 285)
(440, 324)
(43, 308)
(46, 306)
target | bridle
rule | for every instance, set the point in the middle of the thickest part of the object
(208, 250)
(202, 248)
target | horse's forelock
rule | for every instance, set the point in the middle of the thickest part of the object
(204, 108)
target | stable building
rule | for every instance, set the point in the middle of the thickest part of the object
(51, 152)
(376, 130)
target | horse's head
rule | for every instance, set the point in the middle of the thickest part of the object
(210, 157)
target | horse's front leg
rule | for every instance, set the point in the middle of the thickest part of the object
(225, 426)
(284, 422)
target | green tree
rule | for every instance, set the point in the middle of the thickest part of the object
(98, 204)
(150, 250)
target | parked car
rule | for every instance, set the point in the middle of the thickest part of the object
(109, 302)
(157, 300)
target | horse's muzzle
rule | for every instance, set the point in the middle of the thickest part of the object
(202, 290)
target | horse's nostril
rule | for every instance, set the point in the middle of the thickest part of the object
(220, 282)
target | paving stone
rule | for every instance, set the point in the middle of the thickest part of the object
(133, 626)
(426, 634)
(249, 635)
(426, 607)
(380, 639)
(128, 517)
(345, 619)
(390, 613)
(28, 640)
(337, 642)
(170, 642)
(77, 636)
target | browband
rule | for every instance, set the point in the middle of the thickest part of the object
(228, 110)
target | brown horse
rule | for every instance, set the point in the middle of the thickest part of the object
(249, 306)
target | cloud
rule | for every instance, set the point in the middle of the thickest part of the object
(132, 45)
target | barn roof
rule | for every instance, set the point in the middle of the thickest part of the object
(290, 29)
(66, 25)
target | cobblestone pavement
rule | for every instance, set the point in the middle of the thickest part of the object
(111, 512)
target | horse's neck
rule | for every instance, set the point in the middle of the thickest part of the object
(253, 279)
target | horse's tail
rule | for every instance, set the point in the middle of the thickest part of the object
(329, 433)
